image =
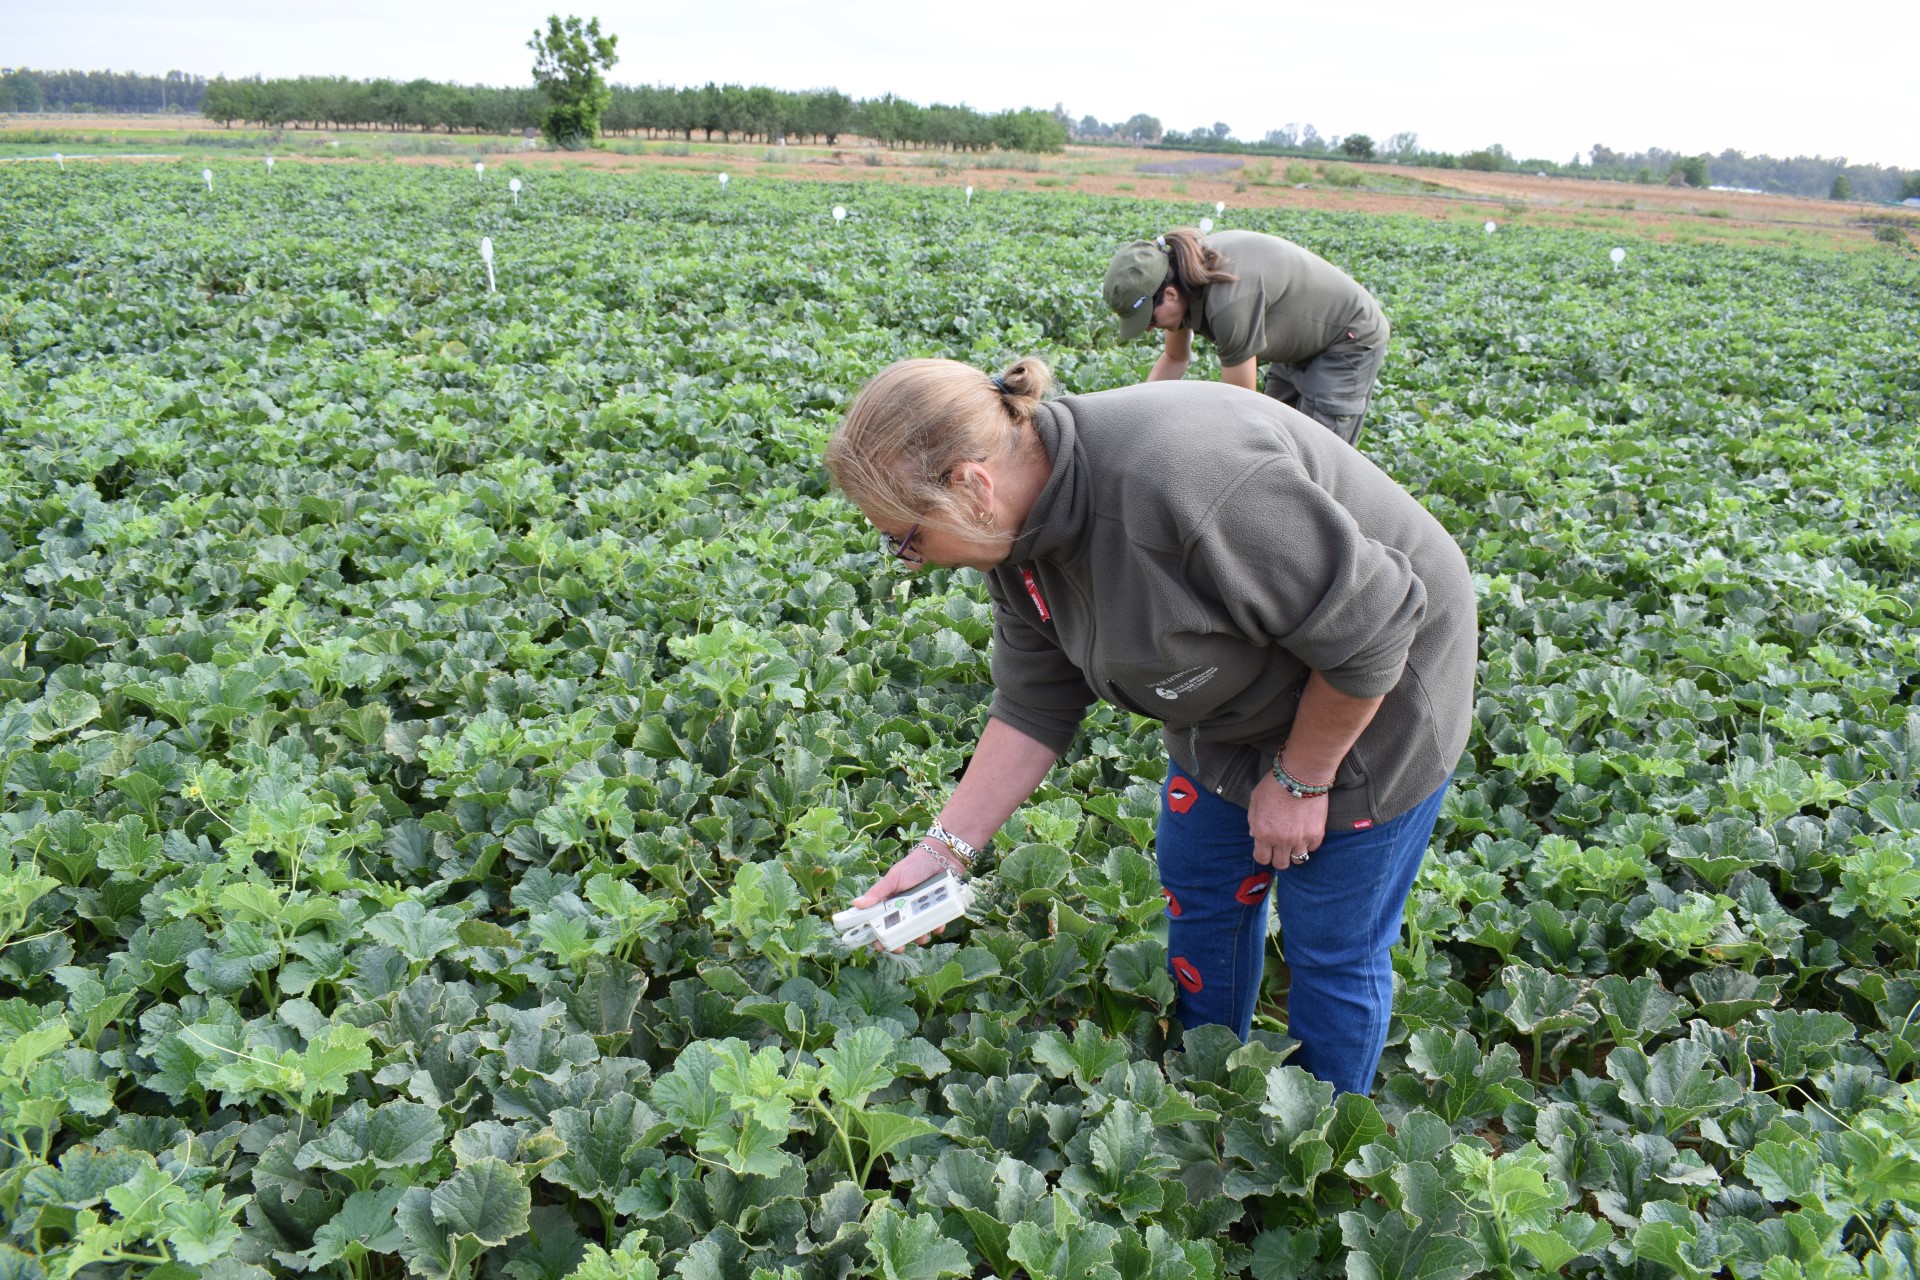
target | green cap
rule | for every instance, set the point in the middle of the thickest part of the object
(1133, 283)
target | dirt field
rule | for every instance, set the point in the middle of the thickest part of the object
(1624, 209)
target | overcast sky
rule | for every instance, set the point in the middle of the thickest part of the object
(1542, 79)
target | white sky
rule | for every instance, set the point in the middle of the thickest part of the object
(1541, 78)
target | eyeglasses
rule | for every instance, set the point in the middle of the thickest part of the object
(901, 549)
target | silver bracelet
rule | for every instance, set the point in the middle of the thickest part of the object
(942, 858)
(961, 849)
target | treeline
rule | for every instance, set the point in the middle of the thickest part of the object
(1817, 177)
(123, 92)
(713, 111)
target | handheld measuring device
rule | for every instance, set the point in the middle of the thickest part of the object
(905, 916)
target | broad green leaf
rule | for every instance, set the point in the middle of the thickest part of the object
(856, 1065)
(910, 1247)
(485, 1200)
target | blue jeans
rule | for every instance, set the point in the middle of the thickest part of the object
(1340, 914)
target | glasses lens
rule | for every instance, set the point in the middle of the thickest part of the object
(901, 549)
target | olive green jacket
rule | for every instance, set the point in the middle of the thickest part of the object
(1195, 553)
(1287, 305)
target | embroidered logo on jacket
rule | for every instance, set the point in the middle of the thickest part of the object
(1185, 682)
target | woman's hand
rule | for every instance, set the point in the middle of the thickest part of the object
(919, 865)
(1285, 828)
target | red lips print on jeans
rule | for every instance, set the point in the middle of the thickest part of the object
(1180, 794)
(1188, 975)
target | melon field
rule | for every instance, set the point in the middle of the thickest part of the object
(436, 724)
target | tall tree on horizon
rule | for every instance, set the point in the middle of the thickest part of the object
(568, 59)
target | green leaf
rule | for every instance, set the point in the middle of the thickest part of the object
(485, 1200)
(391, 1136)
(415, 932)
(1070, 1249)
(910, 1247)
(1573, 1236)
(1639, 1010)
(887, 1131)
(1677, 1086)
(200, 1227)
(1402, 1248)
(365, 1224)
(857, 1064)
(1786, 1171)
(607, 1146)
(1674, 1243)
(1084, 1059)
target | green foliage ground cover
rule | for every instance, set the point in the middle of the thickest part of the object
(434, 726)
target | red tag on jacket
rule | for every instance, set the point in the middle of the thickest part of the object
(1033, 590)
(1363, 824)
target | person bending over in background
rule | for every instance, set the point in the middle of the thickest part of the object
(1303, 629)
(1257, 298)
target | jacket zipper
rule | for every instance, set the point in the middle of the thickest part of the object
(1033, 593)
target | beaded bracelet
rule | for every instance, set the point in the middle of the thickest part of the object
(1297, 789)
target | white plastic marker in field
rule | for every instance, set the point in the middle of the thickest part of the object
(206, 176)
(513, 185)
(1206, 225)
(62, 162)
(969, 197)
(479, 171)
(724, 180)
(1219, 208)
(839, 213)
(486, 256)
(1490, 228)
(269, 164)
(1618, 255)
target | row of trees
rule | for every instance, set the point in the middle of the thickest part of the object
(712, 112)
(24, 89)
(1793, 175)
(1812, 176)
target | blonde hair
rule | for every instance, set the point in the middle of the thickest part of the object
(1194, 265)
(893, 454)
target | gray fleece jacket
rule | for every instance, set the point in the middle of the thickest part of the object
(1195, 553)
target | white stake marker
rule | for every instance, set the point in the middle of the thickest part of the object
(1219, 208)
(486, 256)
(1206, 225)
(1618, 255)
(479, 171)
(206, 176)
(62, 162)
(724, 179)
(269, 164)
(513, 185)
(1490, 228)
(969, 197)
(839, 213)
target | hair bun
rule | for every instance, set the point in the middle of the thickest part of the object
(1027, 378)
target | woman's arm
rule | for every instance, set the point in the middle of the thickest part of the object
(1240, 375)
(1006, 767)
(1325, 728)
(1173, 361)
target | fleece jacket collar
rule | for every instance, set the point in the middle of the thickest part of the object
(1057, 526)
